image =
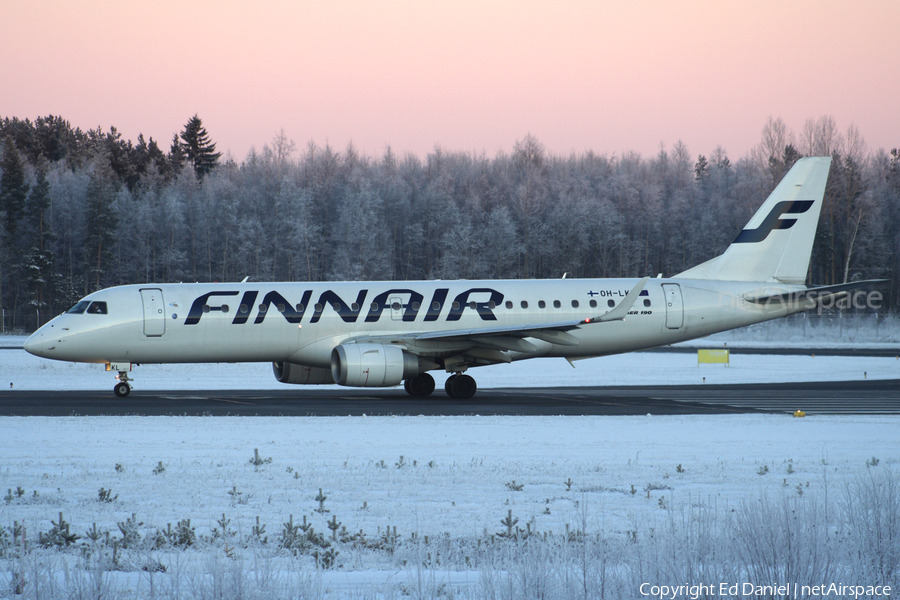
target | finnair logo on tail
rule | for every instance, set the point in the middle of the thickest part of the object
(774, 221)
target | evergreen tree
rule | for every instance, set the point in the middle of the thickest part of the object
(197, 148)
(13, 193)
(38, 264)
(13, 189)
(176, 155)
(100, 225)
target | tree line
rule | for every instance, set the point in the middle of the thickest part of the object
(87, 210)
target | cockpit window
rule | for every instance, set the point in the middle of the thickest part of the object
(78, 308)
(97, 308)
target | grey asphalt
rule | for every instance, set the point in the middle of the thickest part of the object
(852, 397)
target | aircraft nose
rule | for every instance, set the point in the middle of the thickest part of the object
(35, 343)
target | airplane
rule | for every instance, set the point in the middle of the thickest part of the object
(384, 333)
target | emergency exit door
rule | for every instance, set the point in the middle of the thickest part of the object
(674, 305)
(154, 312)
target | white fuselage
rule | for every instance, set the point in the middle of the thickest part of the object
(303, 322)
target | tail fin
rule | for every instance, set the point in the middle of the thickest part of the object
(776, 244)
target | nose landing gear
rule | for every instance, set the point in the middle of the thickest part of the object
(123, 388)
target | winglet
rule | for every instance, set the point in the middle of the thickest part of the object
(619, 312)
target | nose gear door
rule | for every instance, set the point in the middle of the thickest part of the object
(154, 312)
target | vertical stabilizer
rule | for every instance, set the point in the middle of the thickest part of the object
(776, 244)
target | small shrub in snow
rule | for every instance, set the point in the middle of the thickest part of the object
(509, 522)
(238, 497)
(762, 470)
(259, 531)
(105, 495)
(401, 463)
(872, 462)
(568, 483)
(222, 531)
(119, 468)
(321, 498)
(334, 525)
(183, 535)
(130, 528)
(94, 533)
(257, 461)
(513, 486)
(159, 468)
(58, 535)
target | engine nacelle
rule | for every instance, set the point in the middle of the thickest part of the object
(286, 372)
(373, 365)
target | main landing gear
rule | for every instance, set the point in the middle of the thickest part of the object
(458, 385)
(420, 385)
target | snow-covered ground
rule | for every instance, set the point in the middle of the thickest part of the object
(665, 500)
(450, 481)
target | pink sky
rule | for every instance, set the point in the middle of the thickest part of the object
(466, 75)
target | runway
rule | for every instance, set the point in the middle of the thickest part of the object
(850, 397)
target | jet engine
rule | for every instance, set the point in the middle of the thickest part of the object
(286, 372)
(374, 365)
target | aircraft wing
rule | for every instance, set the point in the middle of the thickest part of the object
(503, 338)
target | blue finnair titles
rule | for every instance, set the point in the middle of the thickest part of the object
(382, 334)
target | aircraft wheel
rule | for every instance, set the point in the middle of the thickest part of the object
(448, 386)
(421, 385)
(462, 386)
(122, 389)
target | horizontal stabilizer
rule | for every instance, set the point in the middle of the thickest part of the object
(815, 293)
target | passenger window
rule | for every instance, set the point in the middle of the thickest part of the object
(509, 304)
(610, 303)
(456, 306)
(300, 308)
(542, 304)
(78, 308)
(374, 307)
(280, 308)
(336, 306)
(415, 305)
(524, 304)
(206, 308)
(593, 303)
(262, 308)
(243, 308)
(97, 308)
(396, 306)
(224, 308)
(646, 301)
(435, 306)
(574, 303)
(556, 304)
